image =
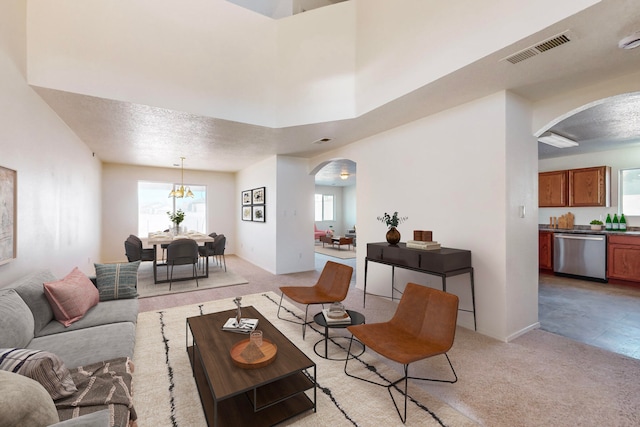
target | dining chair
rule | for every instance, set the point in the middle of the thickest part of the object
(332, 286)
(206, 250)
(218, 251)
(423, 326)
(182, 252)
(135, 252)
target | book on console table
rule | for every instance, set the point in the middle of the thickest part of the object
(246, 325)
(417, 244)
(336, 318)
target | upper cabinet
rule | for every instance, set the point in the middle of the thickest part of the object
(590, 186)
(552, 189)
(575, 187)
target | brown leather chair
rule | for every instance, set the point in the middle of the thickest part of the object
(424, 325)
(332, 286)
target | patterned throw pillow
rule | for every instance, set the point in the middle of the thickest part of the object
(44, 367)
(71, 297)
(117, 281)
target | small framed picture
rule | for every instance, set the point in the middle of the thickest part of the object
(246, 197)
(258, 213)
(247, 213)
(258, 196)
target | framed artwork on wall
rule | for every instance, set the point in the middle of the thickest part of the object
(247, 213)
(246, 198)
(8, 214)
(258, 196)
(259, 213)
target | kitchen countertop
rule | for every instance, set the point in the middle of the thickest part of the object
(586, 229)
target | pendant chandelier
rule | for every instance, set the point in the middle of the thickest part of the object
(181, 191)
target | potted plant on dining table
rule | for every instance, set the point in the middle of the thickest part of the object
(176, 218)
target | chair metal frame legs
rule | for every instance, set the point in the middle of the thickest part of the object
(306, 312)
(195, 274)
(394, 384)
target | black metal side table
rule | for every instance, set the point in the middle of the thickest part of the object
(356, 319)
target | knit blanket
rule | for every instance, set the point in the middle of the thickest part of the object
(103, 385)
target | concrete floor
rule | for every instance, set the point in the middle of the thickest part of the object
(598, 314)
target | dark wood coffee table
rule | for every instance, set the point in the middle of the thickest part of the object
(233, 396)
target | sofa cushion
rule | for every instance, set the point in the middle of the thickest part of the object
(71, 297)
(90, 345)
(44, 367)
(24, 402)
(117, 281)
(31, 290)
(16, 321)
(122, 310)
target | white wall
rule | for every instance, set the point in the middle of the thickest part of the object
(213, 58)
(463, 197)
(349, 207)
(58, 208)
(120, 203)
(294, 215)
(617, 159)
(257, 240)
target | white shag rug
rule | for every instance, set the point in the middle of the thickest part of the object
(165, 393)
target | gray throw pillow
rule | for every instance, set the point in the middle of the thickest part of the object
(24, 402)
(117, 281)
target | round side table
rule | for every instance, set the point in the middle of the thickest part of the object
(356, 319)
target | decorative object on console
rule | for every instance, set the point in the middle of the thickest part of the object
(422, 235)
(392, 221)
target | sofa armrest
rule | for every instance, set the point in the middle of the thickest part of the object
(94, 419)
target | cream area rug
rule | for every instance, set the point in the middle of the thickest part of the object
(217, 278)
(165, 393)
(343, 253)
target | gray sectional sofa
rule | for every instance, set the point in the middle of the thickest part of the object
(107, 330)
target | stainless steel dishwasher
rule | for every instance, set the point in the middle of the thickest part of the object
(580, 254)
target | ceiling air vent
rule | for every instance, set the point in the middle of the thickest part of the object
(538, 48)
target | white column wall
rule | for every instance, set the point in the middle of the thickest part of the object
(294, 216)
(451, 179)
(257, 240)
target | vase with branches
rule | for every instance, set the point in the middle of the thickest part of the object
(176, 218)
(392, 221)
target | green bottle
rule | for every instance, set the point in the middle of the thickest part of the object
(616, 223)
(608, 225)
(623, 223)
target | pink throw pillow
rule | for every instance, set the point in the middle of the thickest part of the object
(71, 297)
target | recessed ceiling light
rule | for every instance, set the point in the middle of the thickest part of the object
(630, 42)
(321, 141)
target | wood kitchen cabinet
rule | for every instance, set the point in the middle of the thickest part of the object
(545, 250)
(623, 258)
(590, 186)
(552, 189)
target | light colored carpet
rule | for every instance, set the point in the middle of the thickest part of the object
(343, 253)
(165, 393)
(217, 278)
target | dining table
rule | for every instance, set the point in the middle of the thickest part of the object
(165, 237)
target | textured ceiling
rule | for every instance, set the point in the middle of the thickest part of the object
(122, 132)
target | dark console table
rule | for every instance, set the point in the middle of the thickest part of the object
(444, 262)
